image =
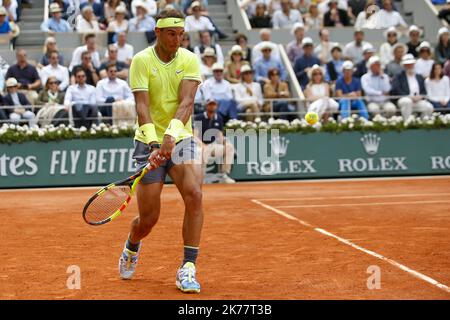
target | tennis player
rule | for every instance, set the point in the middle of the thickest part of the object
(164, 79)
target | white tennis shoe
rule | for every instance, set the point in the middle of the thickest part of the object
(127, 263)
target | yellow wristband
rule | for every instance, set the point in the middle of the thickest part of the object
(174, 129)
(149, 132)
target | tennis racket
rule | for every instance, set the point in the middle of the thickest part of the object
(110, 201)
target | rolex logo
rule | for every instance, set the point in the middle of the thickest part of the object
(370, 143)
(279, 146)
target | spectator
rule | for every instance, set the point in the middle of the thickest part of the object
(82, 99)
(26, 75)
(361, 67)
(214, 144)
(220, 90)
(234, 65)
(51, 99)
(186, 42)
(66, 8)
(5, 27)
(443, 46)
(324, 7)
(4, 66)
(121, 67)
(388, 17)
(250, 6)
(286, 17)
(87, 66)
(395, 67)
(206, 42)
(354, 50)
(49, 47)
(294, 48)
(261, 19)
(109, 9)
(97, 9)
(323, 50)
(150, 7)
(142, 22)
(248, 94)
(209, 58)
(265, 36)
(87, 22)
(125, 51)
(303, 64)
(242, 41)
(349, 87)
(438, 87)
(425, 61)
(56, 70)
(56, 23)
(51, 95)
(119, 24)
(414, 34)
(412, 86)
(273, 6)
(115, 98)
(318, 94)
(11, 9)
(376, 87)
(335, 17)
(22, 108)
(356, 6)
(368, 18)
(91, 47)
(267, 62)
(314, 18)
(334, 66)
(196, 21)
(166, 4)
(277, 89)
(391, 35)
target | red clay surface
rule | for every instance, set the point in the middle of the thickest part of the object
(247, 251)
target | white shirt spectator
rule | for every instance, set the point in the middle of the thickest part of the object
(423, 67)
(257, 54)
(218, 50)
(12, 8)
(354, 52)
(386, 54)
(243, 97)
(386, 19)
(60, 72)
(375, 86)
(76, 57)
(80, 94)
(438, 90)
(150, 5)
(413, 84)
(117, 88)
(192, 24)
(281, 21)
(114, 26)
(123, 53)
(85, 26)
(218, 90)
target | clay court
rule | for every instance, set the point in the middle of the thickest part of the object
(273, 240)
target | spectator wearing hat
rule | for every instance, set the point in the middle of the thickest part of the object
(208, 59)
(266, 62)
(11, 9)
(414, 34)
(142, 22)
(303, 64)
(335, 17)
(425, 62)
(60, 72)
(387, 17)
(5, 27)
(208, 128)
(354, 50)
(150, 7)
(21, 106)
(234, 65)
(90, 46)
(376, 86)
(294, 49)
(121, 67)
(248, 94)
(125, 51)
(411, 86)
(317, 92)
(265, 36)
(206, 42)
(286, 17)
(196, 21)
(277, 89)
(87, 22)
(349, 87)
(56, 23)
(443, 47)
(97, 8)
(120, 23)
(313, 18)
(333, 69)
(219, 89)
(28, 80)
(395, 67)
(242, 40)
(438, 87)
(391, 35)
(323, 50)
(361, 67)
(261, 19)
(81, 97)
(49, 46)
(109, 9)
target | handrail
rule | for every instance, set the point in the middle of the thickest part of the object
(244, 15)
(46, 9)
(291, 72)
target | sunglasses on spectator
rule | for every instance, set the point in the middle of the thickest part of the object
(392, 35)
(81, 76)
(275, 74)
(53, 82)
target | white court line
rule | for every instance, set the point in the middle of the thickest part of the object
(414, 273)
(399, 195)
(364, 204)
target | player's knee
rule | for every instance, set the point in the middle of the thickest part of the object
(148, 223)
(193, 196)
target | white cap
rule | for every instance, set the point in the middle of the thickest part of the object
(307, 41)
(209, 52)
(408, 59)
(54, 7)
(334, 46)
(348, 65)
(372, 60)
(423, 45)
(236, 49)
(217, 66)
(368, 48)
(245, 68)
(266, 45)
(196, 4)
(139, 3)
(315, 68)
(391, 30)
(120, 9)
(399, 44)
(297, 25)
(413, 28)
(442, 31)
(11, 82)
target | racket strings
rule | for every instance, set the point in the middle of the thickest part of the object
(107, 203)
